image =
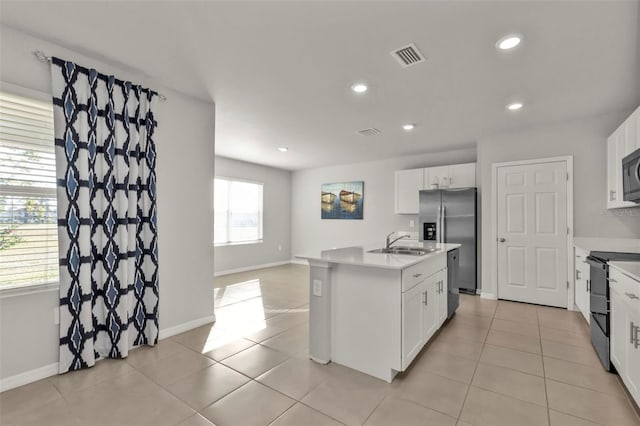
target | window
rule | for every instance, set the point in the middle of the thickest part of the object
(28, 218)
(237, 211)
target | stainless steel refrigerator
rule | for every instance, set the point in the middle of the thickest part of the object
(449, 216)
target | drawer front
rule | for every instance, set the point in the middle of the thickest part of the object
(417, 273)
(627, 287)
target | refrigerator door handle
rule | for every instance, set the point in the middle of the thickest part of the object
(438, 225)
(443, 233)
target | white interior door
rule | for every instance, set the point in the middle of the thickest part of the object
(532, 233)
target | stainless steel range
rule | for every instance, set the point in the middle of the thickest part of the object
(599, 298)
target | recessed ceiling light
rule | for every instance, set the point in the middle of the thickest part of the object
(408, 126)
(359, 88)
(514, 106)
(283, 149)
(508, 42)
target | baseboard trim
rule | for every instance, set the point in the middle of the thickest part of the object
(300, 261)
(52, 369)
(250, 268)
(185, 326)
(489, 296)
(28, 377)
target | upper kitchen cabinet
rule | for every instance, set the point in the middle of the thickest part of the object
(408, 184)
(621, 143)
(462, 175)
(436, 177)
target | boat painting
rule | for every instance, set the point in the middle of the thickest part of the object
(328, 197)
(342, 200)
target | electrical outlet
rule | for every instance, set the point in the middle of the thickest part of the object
(56, 315)
(317, 288)
(412, 223)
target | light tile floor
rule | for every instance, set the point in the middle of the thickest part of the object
(493, 363)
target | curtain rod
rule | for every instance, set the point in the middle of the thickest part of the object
(44, 58)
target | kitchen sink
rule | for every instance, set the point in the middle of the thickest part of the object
(412, 251)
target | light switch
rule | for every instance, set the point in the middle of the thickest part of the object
(412, 223)
(317, 288)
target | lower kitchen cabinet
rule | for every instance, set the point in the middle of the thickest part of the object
(625, 330)
(424, 310)
(413, 322)
(582, 283)
(441, 295)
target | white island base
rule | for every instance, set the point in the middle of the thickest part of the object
(375, 312)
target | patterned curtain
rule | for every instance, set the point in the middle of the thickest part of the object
(107, 223)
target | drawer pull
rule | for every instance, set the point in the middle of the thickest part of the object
(417, 275)
(632, 296)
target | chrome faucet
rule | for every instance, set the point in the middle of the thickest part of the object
(390, 242)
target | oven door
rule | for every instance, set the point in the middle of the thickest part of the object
(631, 177)
(599, 292)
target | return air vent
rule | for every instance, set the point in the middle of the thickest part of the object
(372, 131)
(408, 56)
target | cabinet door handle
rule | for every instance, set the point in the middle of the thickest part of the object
(634, 339)
(611, 280)
(588, 286)
(632, 296)
(612, 195)
(417, 275)
(425, 299)
(578, 275)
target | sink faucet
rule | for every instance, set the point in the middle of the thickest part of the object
(390, 242)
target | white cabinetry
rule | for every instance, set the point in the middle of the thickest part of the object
(582, 283)
(410, 182)
(625, 330)
(462, 175)
(436, 177)
(621, 143)
(441, 296)
(424, 310)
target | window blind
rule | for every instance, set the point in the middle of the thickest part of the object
(28, 218)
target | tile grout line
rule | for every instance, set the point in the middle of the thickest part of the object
(544, 371)
(466, 395)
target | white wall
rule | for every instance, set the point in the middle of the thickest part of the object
(585, 140)
(185, 168)
(276, 245)
(310, 233)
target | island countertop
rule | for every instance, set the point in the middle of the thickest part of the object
(359, 255)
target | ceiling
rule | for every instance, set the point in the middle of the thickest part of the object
(280, 72)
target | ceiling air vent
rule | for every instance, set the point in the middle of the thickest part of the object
(408, 56)
(372, 131)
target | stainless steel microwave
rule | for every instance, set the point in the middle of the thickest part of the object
(631, 177)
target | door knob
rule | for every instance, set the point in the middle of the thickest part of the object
(502, 240)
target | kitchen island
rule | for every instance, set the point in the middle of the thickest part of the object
(374, 312)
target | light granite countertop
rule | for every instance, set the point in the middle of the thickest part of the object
(631, 269)
(619, 245)
(359, 255)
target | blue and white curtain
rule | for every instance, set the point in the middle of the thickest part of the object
(107, 223)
